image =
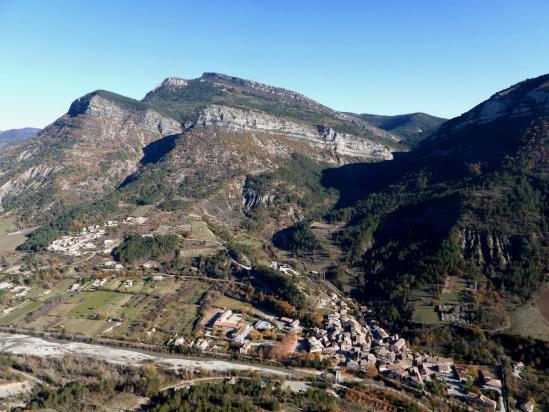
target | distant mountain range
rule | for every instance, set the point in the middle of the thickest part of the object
(412, 127)
(13, 136)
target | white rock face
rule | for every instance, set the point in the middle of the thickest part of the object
(508, 104)
(172, 82)
(105, 144)
(240, 120)
(149, 120)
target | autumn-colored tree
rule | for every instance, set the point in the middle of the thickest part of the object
(285, 348)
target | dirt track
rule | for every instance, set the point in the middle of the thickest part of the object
(543, 304)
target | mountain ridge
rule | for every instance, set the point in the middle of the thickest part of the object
(412, 127)
(104, 138)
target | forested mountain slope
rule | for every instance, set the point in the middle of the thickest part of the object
(471, 201)
(412, 127)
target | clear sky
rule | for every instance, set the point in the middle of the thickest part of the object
(387, 57)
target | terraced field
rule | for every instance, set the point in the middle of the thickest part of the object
(149, 310)
(528, 321)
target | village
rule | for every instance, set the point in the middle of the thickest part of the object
(349, 340)
(86, 239)
(355, 344)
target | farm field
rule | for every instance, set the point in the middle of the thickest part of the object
(528, 321)
(143, 286)
(8, 242)
(426, 300)
(7, 224)
(97, 303)
(151, 311)
(200, 231)
(201, 241)
(19, 314)
(426, 314)
(141, 211)
(233, 304)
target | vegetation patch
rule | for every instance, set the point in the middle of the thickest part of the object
(298, 239)
(136, 247)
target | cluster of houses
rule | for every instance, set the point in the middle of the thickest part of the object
(230, 325)
(359, 346)
(460, 314)
(233, 327)
(284, 268)
(78, 244)
(139, 220)
(354, 341)
(342, 337)
(97, 283)
(18, 291)
(112, 265)
(85, 240)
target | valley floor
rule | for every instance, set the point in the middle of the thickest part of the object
(29, 345)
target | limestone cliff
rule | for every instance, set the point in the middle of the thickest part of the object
(219, 126)
(321, 138)
(91, 149)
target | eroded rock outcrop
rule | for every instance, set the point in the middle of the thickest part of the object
(486, 247)
(324, 138)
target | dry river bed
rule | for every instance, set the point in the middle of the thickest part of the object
(30, 345)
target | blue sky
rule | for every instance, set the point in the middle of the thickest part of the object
(387, 57)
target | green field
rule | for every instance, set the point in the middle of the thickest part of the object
(88, 327)
(171, 306)
(200, 231)
(426, 299)
(19, 314)
(107, 304)
(425, 314)
(233, 304)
